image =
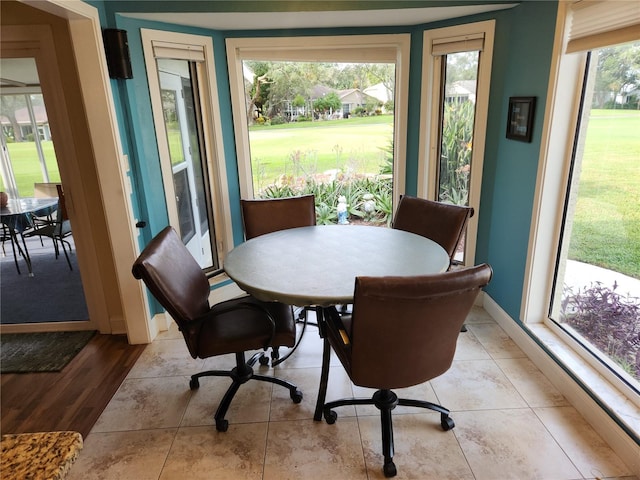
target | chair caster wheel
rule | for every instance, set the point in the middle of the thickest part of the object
(264, 360)
(296, 396)
(194, 384)
(330, 417)
(389, 469)
(222, 425)
(447, 422)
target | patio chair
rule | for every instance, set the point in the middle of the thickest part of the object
(57, 230)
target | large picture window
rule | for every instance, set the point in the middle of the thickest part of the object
(596, 296)
(581, 281)
(322, 115)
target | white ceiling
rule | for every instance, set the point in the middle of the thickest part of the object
(15, 72)
(323, 19)
(18, 72)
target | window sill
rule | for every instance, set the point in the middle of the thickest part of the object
(613, 400)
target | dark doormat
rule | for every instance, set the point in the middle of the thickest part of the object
(40, 352)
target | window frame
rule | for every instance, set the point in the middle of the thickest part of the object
(428, 158)
(212, 129)
(353, 48)
(560, 128)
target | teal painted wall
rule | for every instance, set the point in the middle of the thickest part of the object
(521, 65)
(522, 59)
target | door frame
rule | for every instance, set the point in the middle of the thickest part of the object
(115, 299)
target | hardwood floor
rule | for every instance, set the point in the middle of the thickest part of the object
(72, 399)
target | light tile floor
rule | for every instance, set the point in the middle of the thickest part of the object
(511, 423)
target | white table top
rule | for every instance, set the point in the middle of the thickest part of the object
(318, 265)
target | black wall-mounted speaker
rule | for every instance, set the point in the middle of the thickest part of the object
(117, 52)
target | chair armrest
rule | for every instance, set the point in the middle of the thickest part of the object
(335, 323)
(234, 306)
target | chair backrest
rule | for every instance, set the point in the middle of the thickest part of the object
(62, 204)
(271, 215)
(45, 190)
(175, 279)
(62, 223)
(441, 222)
(404, 329)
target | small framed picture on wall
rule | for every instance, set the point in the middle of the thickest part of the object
(520, 118)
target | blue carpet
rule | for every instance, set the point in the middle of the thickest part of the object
(54, 294)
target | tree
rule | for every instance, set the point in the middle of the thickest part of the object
(9, 104)
(299, 101)
(259, 91)
(618, 73)
(277, 84)
(329, 103)
(363, 75)
(286, 80)
(462, 66)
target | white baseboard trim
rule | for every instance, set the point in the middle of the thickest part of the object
(599, 418)
(160, 322)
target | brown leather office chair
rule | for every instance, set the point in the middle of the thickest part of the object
(402, 332)
(262, 216)
(235, 326)
(443, 223)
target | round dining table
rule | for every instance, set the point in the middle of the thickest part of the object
(318, 265)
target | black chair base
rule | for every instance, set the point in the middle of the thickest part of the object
(240, 374)
(300, 318)
(385, 401)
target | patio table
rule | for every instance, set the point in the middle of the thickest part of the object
(18, 215)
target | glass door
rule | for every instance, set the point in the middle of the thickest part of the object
(189, 186)
(28, 156)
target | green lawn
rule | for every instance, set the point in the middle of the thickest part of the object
(26, 167)
(606, 230)
(307, 148)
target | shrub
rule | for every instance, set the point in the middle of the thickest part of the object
(610, 321)
(327, 193)
(457, 137)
